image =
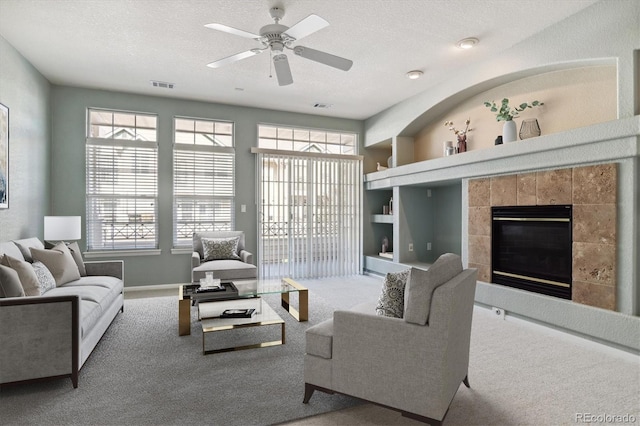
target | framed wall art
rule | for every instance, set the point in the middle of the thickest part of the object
(4, 157)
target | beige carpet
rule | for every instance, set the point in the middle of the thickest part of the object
(526, 374)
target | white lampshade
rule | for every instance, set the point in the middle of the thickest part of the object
(62, 228)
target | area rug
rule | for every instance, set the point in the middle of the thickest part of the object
(142, 372)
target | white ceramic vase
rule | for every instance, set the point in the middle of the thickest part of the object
(509, 131)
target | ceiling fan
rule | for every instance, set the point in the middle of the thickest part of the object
(278, 37)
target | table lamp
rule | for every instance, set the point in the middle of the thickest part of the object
(62, 228)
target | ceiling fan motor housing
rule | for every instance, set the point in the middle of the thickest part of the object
(272, 36)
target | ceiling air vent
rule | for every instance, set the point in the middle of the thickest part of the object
(321, 105)
(162, 84)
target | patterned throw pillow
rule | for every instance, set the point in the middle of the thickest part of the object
(46, 281)
(391, 301)
(220, 248)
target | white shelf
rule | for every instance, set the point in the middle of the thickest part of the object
(382, 218)
(608, 141)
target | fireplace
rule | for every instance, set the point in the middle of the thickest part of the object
(531, 248)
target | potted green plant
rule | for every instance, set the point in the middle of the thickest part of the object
(507, 114)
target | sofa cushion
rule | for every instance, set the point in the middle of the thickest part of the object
(27, 275)
(8, 247)
(421, 285)
(75, 253)
(220, 248)
(99, 281)
(319, 339)
(25, 245)
(100, 295)
(226, 270)
(46, 281)
(391, 301)
(59, 261)
(10, 283)
(90, 314)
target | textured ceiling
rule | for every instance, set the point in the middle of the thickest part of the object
(123, 44)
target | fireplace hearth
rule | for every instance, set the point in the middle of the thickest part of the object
(531, 248)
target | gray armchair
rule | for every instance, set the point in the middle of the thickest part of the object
(238, 268)
(413, 364)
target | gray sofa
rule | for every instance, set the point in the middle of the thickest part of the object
(53, 334)
(412, 364)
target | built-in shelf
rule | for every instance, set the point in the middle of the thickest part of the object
(382, 218)
(600, 142)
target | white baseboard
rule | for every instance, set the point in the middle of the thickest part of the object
(584, 341)
(152, 287)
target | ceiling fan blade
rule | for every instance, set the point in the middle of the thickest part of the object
(307, 26)
(283, 72)
(323, 58)
(233, 58)
(232, 30)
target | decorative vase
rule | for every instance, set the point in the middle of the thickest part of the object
(448, 148)
(529, 128)
(509, 132)
(462, 144)
(390, 162)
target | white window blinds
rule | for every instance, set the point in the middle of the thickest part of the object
(122, 180)
(203, 178)
(309, 216)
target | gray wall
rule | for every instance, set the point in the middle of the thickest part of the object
(68, 160)
(26, 93)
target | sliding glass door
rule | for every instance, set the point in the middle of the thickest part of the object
(309, 214)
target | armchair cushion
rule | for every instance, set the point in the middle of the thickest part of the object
(220, 248)
(391, 301)
(421, 285)
(198, 236)
(319, 339)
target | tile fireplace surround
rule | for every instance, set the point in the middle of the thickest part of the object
(592, 192)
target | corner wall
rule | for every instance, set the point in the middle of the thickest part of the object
(27, 95)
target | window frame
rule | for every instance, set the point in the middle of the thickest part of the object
(223, 154)
(139, 222)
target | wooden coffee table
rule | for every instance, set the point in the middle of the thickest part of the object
(247, 289)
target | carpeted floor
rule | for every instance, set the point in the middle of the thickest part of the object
(142, 372)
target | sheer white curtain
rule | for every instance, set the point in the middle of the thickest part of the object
(309, 214)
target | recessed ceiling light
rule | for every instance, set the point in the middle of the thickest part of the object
(467, 43)
(414, 75)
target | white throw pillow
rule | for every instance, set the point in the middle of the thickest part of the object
(46, 281)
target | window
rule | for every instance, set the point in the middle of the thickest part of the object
(309, 210)
(203, 178)
(306, 140)
(122, 180)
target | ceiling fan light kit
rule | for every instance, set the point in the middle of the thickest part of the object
(276, 38)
